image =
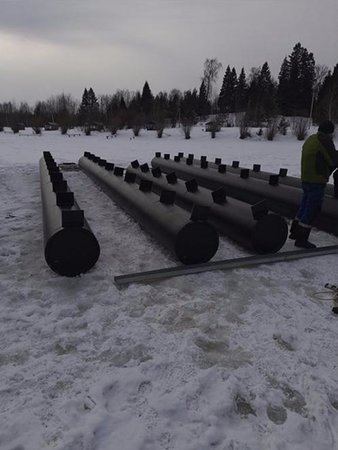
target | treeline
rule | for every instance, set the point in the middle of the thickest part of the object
(302, 89)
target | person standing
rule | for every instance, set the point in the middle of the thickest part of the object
(319, 159)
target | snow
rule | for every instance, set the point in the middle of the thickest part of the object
(242, 360)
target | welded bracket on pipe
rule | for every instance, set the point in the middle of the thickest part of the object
(259, 209)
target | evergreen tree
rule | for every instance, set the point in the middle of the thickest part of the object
(254, 112)
(226, 100)
(203, 108)
(93, 104)
(283, 95)
(267, 88)
(160, 107)
(136, 103)
(234, 81)
(122, 113)
(261, 95)
(83, 107)
(189, 106)
(302, 75)
(89, 108)
(241, 93)
(160, 112)
(147, 101)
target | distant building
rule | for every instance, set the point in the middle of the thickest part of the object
(97, 126)
(150, 125)
(213, 125)
(51, 126)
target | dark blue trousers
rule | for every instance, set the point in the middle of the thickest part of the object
(311, 204)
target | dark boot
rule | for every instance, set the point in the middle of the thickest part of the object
(302, 235)
(293, 229)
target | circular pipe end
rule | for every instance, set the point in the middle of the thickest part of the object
(72, 251)
(269, 234)
(196, 243)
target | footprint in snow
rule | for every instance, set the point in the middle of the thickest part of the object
(243, 407)
(145, 387)
(277, 414)
(282, 343)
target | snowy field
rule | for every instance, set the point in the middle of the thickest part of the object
(238, 360)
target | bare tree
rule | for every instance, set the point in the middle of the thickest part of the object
(300, 125)
(321, 72)
(244, 129)
(210, 74)
(271, 129)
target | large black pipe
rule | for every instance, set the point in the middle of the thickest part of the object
(70, 246)
(256, 172)
(250, 226)
(187, 235)
(282, 199)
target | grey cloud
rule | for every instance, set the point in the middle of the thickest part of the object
(61, 21)
(75, 21)
(123, 42)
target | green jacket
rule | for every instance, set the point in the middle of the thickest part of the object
(319, 159)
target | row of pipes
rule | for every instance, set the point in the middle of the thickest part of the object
(184, 202)
(282, 193)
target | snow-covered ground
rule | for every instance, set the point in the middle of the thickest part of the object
(242, 360)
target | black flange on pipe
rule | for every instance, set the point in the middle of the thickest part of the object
(282, 199)
(256, 172)
(241, 187)
(253, 227)
(70, 246)
(188, 235)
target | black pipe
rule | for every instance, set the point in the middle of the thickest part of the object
(70, 247)
(250, 226)
(282, 199)
(188, 236)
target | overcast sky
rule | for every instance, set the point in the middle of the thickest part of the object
(52, 46)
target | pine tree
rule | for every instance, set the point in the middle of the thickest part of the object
(89, 108)
(160, 112)
(254, 111)
(161, 104)
(83, 107)
(261, 95)
(226, 100)
(241, 93)
(147, 101)
(267, 92)
(283, 95)
(93, 105)
(302, 75)
(189, 106)
(233, 84)
(203, 108)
